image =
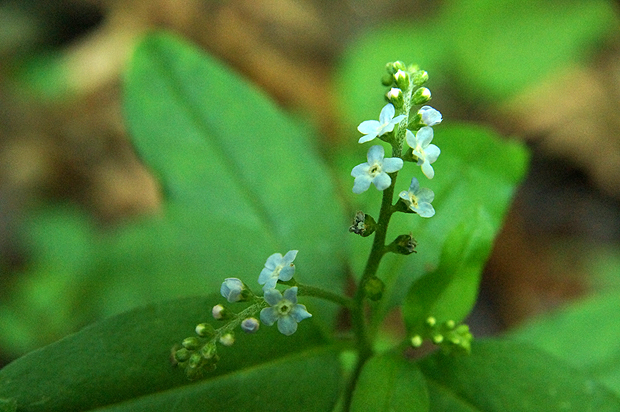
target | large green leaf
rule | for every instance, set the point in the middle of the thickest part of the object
(242, 181)
(583, 334)
(475, 179)
(237, 168)
(390, 383)
(128, 356)
(504, 376)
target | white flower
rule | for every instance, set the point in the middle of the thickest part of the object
(419, 199)
(375, 170)
(425, 152)
(276, 268)
(386, 123)
(430, 116)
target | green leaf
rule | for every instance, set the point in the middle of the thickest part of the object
(128, 356)
(583, 334)
(493, 40)
(242, 181)
(8, 405)
(226, 153)
(390, 383)
(504, 376)
(475, 178)
(483, 48)
(450, 292)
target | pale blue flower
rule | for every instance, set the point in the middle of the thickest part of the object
(284, 309)
(277, 267)
(430, 116)
(375, 170)
(425, 152)
(231, 289)
(386, 123)
(419, 199)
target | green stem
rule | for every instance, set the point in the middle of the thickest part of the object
(305, 290)
(364, 343)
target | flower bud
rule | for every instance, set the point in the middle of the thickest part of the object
(402, 79)
(227, 340)
(191, 343)
(208, 351)
(234, 290)
(182, 355)
(220, 312)
(420, 77)
(395, 96)
(373, 288)
(195, 360)
(416, 341)
(429, 116)
(250, 325)
(205, 330)
(421, 96)
(387, 80)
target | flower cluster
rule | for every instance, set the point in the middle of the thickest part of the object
(198, 354)
(452, 338)
(413, 127)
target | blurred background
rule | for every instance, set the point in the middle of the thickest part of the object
(545, 72)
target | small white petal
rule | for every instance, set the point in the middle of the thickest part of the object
(387, 113)
(382, 181)
(375, 153)
(392, 164)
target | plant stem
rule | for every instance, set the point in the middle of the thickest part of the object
(364, 343)
(305, 290)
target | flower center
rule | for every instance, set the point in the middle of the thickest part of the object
(374, 170)
(414, 200)
(284, 307)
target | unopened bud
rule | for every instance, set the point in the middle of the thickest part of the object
(227, 340)
(421, 96)
(205, 330)
(250, 325)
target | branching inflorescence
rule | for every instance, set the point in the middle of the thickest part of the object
(406, 124)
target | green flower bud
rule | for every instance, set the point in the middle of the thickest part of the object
(373, 288)
(227, 340)
(416, 341)
(387, 80)
(205, 330)
(208, 351)
(437, 339)
(420, 77)
(195, 360)
(182, 355)
(402, 79)
(421, 96)
(395, 96)
(431, 321)
(191, 343)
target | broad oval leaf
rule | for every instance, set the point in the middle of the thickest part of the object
(475, 178)
(502, 376)
(389, 382)
(583, 334)
(128, 356)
